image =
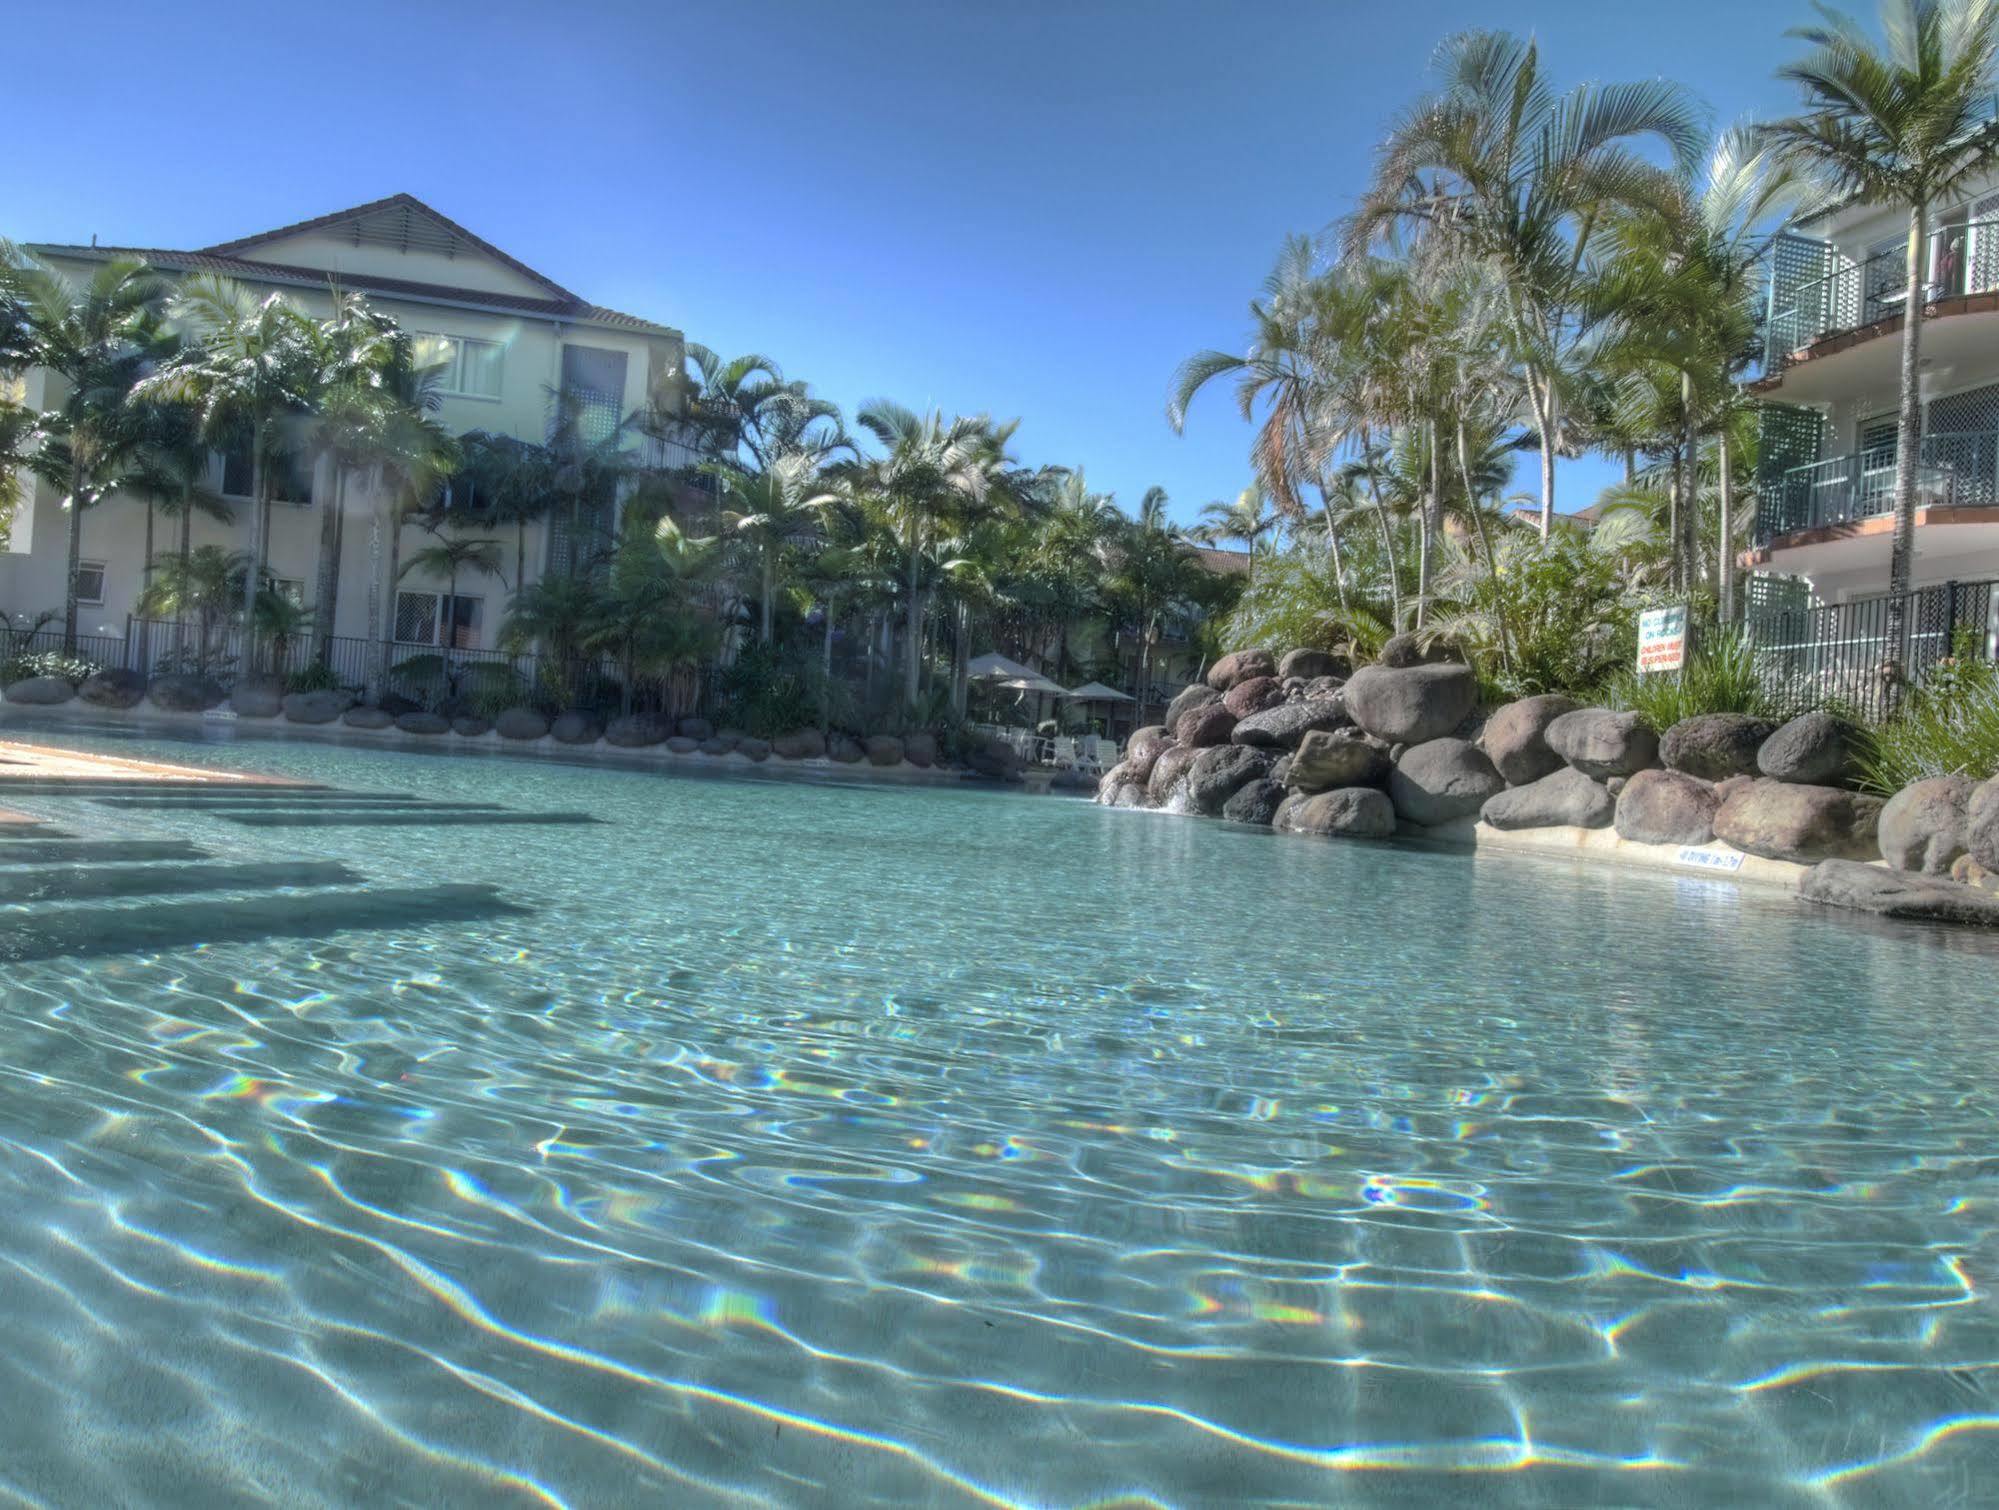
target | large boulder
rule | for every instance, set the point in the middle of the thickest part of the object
(843, 748)
(1516, 737)
(521, 723)
(575, 727)
(680, 744)
(1898, 894)
(1400, 651)
(363, 717)
(1813, 749)
(184, 692)
(720, 744)
(638, 731)
(1971, 873)
(1108, 783)
(1167, 772)
(1240, 667)
(799, 744)
(1319, 688)
(1282, 727)
(752, 748)
(1411, 705)
(1255, 802)
(1311, 663)
(1783, 820)
(1666, 807)
(1923, 825)
(420, 722)
(1144, 747)
(1602, 743)
(919, 749)
(1186, 700)
(113, 689)
(40, 691)
(1715, 746)
(1442, 779)
(1217, 774)
(1562, 799)
(1337, 758)
(1981, 825)
(471, 725)
(1253, 695)
(318, 707)
(1210, 724)
(396, 705)
(257, 697)
(1352, 812)
(884, 750)
(696, 729)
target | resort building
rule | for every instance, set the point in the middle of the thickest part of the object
(509, 340)
(1831, 376)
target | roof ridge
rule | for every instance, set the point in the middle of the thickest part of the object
(391, 201)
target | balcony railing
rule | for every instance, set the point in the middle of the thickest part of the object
(1960, 469)
(1957, 259)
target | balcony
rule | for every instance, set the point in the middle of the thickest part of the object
(1952, 471)
(1820, 294)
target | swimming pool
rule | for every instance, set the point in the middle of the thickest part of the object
(823, 1145)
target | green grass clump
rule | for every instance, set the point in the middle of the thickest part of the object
(1948, 726)
(1720, 677)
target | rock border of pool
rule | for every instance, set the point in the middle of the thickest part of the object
(26, 719)
(1403, 749)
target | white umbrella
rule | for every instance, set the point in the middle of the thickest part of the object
(1097, 692)
(1032, 682)
(996, 667)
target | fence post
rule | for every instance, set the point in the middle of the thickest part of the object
(1949, 616)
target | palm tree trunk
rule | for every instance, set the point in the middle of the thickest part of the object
(913, 629)
(186, 555)
(145, 584)
(1333, 540)
(375, 589)
(1685, 548)
(826, 667)
(322, 583)
(1725, 557)
(1485, 539)
(395, 552)
(75, 548)
(769, 588)
(520, 552)
(259, 518)
(1901, 551)
(1387, 535)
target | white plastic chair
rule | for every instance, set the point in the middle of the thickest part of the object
(1062, 753)
(1108, 754)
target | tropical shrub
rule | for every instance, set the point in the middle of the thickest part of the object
(1947, 726)
(316, 677)
(1295, 601)
(73, 669)
(762, 693)
(1720, 676)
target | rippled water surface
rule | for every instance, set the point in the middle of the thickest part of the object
(818, 1146)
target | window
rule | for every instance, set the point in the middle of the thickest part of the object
(464, 365)
(430, 618)
(90, 582)
(294, 479)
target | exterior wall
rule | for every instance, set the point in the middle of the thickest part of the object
(33, 560)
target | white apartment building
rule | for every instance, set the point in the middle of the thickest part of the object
(1832, 364)
(509, 338)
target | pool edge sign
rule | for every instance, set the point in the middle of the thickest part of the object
(1662, 638)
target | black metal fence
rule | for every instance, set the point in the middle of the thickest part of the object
(1841, 654)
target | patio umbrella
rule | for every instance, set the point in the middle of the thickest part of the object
(1097, 692)
(1033, 682)
(994, 667)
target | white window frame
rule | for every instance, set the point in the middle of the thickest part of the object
(439, 599)
(100, 568)
(452, 379)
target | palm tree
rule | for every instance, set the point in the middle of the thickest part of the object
(99, 337)
(411, 455)
(201, 583)
(350, 346)
(1517, 176)
(1248, 520)
(932, 469)
(646, 619)
(447, 559)
(171, 472)
(251, 370)
(556, 613)
(1905, 124)
(770, 512)
(1152, 570)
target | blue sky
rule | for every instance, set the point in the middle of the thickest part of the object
(1029, 207)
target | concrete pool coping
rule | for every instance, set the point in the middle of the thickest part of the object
(1602, 846)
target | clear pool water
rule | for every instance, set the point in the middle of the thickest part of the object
(828, 1146)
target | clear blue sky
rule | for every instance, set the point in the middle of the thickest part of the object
(1030, 207)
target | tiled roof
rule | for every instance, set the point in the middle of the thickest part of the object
(225, 259)
(410, 206)
(1223, 563)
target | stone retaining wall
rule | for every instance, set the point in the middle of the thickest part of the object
(1401, 749)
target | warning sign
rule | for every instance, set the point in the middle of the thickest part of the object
(1662, 639)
